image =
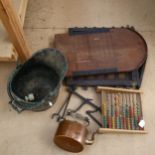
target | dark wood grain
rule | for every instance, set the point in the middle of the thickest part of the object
(119, 48)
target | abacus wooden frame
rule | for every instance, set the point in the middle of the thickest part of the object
(120, 131)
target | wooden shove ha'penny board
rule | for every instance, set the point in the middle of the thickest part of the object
(122, 49)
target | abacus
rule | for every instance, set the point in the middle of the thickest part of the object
(121, 110)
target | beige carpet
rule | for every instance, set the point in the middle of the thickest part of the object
(31, 133)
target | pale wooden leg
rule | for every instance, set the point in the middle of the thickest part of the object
(14, 28)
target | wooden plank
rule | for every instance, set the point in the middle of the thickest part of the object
(121, 131)
(7, 51)
(100, 88)
(22, 10)
(6, 47)
(103, 51)
(14, 28)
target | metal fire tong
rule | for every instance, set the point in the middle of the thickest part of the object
(74, 112)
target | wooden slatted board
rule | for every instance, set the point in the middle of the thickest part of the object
(7, 51)
(119, 48)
